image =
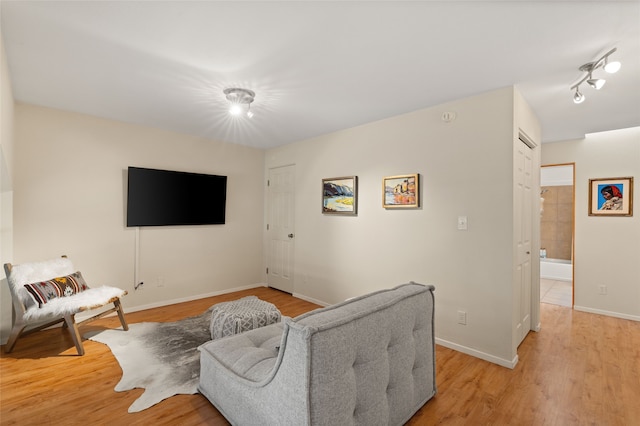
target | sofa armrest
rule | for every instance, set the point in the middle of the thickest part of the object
(266, 386)
(251, 355)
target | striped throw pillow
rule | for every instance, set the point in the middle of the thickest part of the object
(45, 291)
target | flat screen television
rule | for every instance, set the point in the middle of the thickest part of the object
(165, 198)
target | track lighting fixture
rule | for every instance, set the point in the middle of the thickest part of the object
(238, 98)
(589, 68)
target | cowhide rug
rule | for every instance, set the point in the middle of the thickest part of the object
(160, 357)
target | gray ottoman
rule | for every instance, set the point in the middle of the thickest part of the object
(229, 318)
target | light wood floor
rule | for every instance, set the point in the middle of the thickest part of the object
(581, 369)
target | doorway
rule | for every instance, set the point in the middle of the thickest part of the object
(557, 219)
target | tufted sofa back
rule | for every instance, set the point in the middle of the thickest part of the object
(372, 358)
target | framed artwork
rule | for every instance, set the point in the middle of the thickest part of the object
(401, 191)
(611, 197)
(340, 195)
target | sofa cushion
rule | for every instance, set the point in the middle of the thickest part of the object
(44, 291)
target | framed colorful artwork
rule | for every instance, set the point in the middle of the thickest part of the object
(340, 195)
(401, 191)
(611, 197)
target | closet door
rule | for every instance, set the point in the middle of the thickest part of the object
(523, 217)
(280, 228)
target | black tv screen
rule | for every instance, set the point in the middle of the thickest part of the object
(164, 197)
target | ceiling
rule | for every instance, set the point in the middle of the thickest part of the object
(318, 67)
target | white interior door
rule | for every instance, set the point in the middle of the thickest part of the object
(524, 224)
(280, 228)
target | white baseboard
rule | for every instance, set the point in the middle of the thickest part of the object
(478, 354)
(607, 313)
(310, 299)
(183, 299)
(556, 278)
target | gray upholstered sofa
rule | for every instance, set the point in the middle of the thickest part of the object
(367, 361)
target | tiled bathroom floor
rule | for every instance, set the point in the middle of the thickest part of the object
(555, 292)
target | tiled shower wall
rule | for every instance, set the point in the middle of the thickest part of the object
(556, 223)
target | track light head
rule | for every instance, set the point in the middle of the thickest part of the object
(578, 97)
(596, 83)
(611, 67)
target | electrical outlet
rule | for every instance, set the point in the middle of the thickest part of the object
(602, 289)
(462, 317)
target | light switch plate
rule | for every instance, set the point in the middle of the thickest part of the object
(462, 223)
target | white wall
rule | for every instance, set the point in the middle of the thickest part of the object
(607, 249)
(556, 175)
(465, 168)
(69, 193)
(69, 198)
(6, 188)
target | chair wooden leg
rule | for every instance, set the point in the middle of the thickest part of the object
(13, 337)
(75, 334)
(120, 312)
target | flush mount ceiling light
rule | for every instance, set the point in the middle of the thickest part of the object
(589, 68)
(239, 98)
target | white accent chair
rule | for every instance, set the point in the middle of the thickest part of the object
(29, 316)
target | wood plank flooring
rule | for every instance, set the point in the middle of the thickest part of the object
(580, 369)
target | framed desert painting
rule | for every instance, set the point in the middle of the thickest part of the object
(611, 197)
(340, 195)
(401, 191)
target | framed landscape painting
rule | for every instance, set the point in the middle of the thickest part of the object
(611, 197)
(401, 191)
(340, 195)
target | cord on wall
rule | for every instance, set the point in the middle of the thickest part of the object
(136, 260)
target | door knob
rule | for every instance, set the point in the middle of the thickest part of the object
(290, 235)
